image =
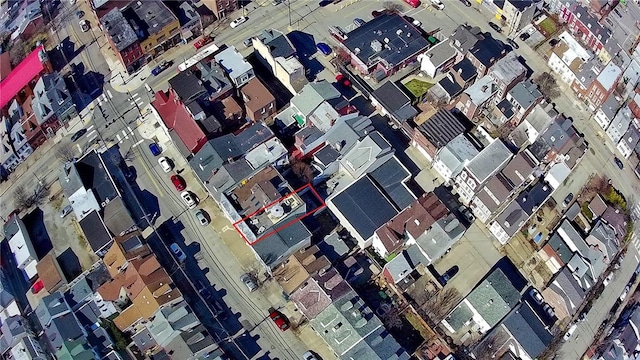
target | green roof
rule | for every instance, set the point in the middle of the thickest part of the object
(299, 119)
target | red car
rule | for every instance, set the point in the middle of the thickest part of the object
(342, 80)
(202, 42)
(281, 322)
(178, 182)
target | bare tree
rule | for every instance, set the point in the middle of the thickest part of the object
(21, 198)
(17, 52)
(65, 152)
(302, 170)
(436, 101)
(442, 303)
(492, 343)
(392, 6)
(548, 85)
(392, 318)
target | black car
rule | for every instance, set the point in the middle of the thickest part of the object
(444, 278)
(466, 2)
(553, 42)
(78, 134)
(495, 26)
(524, 36)
(618, 163)
(513, 44)
(567, 200)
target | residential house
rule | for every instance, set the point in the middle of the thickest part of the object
(603, 86)
(476, 172)
(485, 53)
(523, 98)
(259, 103)
(320, 291)
(438, 59)
(221, 8)
(383, 45)
(620, 124)
(19, 139)
(451, 159)
(464, 38)
(18, 342)
(506, 73)
(394, 103)
(18, 84)
(181, 126)
(513, 217)
(357, 332)
(488, 303)
(366, 155)
(192, 18)
(9, 161)
(408, 262)
(517, 14)
(278, 53)
(498, 189)
(528, 131)
(8, 304)
(629, 141)
(557, 136)
(409, 225)
(530, 331)
(237, 68)
(567, 58)
(372, 200)
(434, 134)
(564, 293)
(477, 97)
(21, 245)
(461, 75)
(22, 19)
(607, 112)
(50, 274)
(300, 267)
(585, 26)
(621, 19)
(123, 40)
(52, 103)
(318, 97)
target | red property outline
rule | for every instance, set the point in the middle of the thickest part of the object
(321, 206)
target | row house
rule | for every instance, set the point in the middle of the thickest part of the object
(567, 57)
(506, 73)
(620, 124)
(518, 172)
(19, 83)
(607, 112)
(450, 160)
(477, 97)
(485, 53)
(279, 55)
(584, 25)
(477, 172)
(434, 134)
(603, 86)
(523, 99)
(461, 75)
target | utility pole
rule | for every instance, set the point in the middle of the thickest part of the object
(289, 8)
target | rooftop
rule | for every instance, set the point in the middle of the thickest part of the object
(278, 43)
(442, 128)
(489, 160)
(495, 192)
(233, 62)
(566, 286)
(494, 297)
(391, 177)
(528, 329)
(520, 168)
(319, 292)
(95, 176)
(482, 90)
(507, 69)
(148, 18)
(440, 53)
(256, 96)
(488, 50)
(608, 77)
(187, 85)
(49, 272)
(119, 29)
(533, 197)
(22, 74)
(464, 37)
(395, 101)
(512, 218)
(388, 37)
(96, 231)
(525, 94)
(177, 118)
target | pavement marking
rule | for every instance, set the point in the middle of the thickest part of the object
(126, 136)
(130, 129)
(119, 138)
(110, 95)
(138, 143)
(90, 127)
(79, 148)
(152, 178)
(91, 133)
(92, 138)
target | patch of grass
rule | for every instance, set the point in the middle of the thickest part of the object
(586, 211)
(548, 25)
(390, 257)
(417, 87)
(415, 322)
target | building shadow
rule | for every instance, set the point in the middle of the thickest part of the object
(69, 264)
(34, 222)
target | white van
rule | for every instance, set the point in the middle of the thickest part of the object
(437, 4)
(570, 332)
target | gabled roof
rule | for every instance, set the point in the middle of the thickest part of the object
(19, 77)
(494, 297)
(95, 231)
(442, 128)
(519, 168)
(256, 95)
(488, 50)
(528, 329)
(512, 218)
(391, 177)
(312, 95)
(395, 101)
(494, 192)
(507, 69)
(525, 94)
(404, 263)
(565, 285)
(489, 160)
(533, 197)
(464, 37)
(177, 118)
(278, 43)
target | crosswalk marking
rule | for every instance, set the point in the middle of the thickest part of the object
(119, 138)
(136, 100)
(126, 136)
(138, 143)
(109, 92)
(90, 127)
(93, 137)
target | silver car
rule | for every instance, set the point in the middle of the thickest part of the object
(249, 282)
(202, 218)
(66, 211)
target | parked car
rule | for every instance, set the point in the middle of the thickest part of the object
(202, 42)
(536, 296)
(495, 26)
(249, 282)
(444, 278)
(66, 211)
(239, 21)
(80, 14)
(342, 80)
(625, 292)
(248, 42)
(358, 22)
(413, 3)
(437, 4)
(554, 42)
(84, 25)
(567, 200)
(467, 213)
(216, 308)
(309, 356)
(524, 36)
(608, 279)
(188, 199)
(155, 149)
(513, 44)
(165, 164)
(78, 134)
(466, 3)
(570, 332)
(160, 68)
(618, 163)
(178, 182)
(281, 322)
(376, 13)
(324, 48)
(549, 311)
(202, 218)
(179, 254)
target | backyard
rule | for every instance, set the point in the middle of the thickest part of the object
(417, 87)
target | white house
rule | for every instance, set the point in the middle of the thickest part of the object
(21, 246)
(451, 159)
(567, 57)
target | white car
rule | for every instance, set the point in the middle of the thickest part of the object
(189, 199)
(84, 25)
(437, 4)
(608, 279)
(570, 332)
(625, 292)
(309, 356)
(237, 22)
(165, 164)
(536, 296)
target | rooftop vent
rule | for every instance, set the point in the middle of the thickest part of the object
(399, 32)
(386, 40)
(376, 46)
